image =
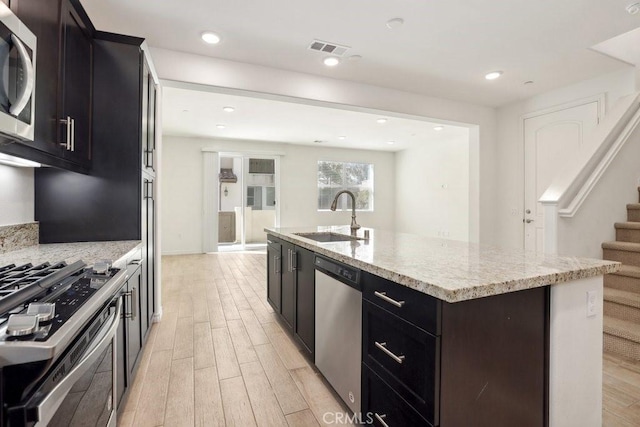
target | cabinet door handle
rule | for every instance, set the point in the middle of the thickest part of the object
(73, 134)
(25, 91)
(294, 260)
(381, 418)
(67, 143)
(383, 346)
(276, 264)
(289, 260)
(383, 296)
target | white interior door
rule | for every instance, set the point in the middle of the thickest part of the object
(551, 141)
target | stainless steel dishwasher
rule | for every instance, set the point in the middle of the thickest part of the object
(339, 328)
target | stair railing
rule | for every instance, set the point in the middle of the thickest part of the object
(573, 185)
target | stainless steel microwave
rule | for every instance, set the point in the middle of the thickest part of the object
(17, 77)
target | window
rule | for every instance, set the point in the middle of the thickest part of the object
(336, 176)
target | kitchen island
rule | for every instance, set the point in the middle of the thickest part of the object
(484, 336)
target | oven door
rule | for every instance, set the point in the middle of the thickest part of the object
(85, 395)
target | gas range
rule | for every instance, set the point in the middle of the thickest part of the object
(44, 306)
(58, 325)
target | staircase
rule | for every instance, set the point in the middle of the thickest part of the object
(622, 289)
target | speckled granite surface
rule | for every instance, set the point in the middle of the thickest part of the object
(446, 269)
(18, 236)
(89, 252)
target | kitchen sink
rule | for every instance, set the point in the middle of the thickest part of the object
(328, 236)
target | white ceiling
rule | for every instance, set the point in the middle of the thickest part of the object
(443, 49)
(195, 113)
(625, 47)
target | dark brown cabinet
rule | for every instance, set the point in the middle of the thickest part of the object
(479, 362)
(76, 61)
(287, 308)
(274, 273)
(133, 319)
(147, 290)
(291, 289)
(64, 72)
(149, 100)
(304, 324)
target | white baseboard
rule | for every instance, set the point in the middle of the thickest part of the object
(169, 253)
(157, 316)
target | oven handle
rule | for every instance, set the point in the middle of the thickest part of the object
(48, 406)
(24, 94)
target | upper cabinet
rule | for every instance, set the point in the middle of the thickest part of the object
(149, 99)
(63, 91)
(75, 87)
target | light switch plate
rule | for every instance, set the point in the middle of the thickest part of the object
(591, 303)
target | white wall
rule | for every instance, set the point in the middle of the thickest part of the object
(183, 67)
(510, 157)
(432, 189)
(16, 195)
(182, 174)
(583, 234)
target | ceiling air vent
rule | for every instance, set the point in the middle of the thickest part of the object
(326, 47)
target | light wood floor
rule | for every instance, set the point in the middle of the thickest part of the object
(219, 357)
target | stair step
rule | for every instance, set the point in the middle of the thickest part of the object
(633, 212)
(621, 346)
(625, 279)
(624, 252)
(627, 231)
(622, 305)
(622, 328)
(630, 299)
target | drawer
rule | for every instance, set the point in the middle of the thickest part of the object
(380, 402)
(420, 309)
(406, 357)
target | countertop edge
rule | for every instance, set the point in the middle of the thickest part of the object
(470, 293)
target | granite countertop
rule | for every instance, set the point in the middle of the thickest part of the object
(449, 270)
(89, 252)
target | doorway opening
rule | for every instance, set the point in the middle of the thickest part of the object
(247, 200)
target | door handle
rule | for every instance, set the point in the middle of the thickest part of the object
(276, 264)
(67, 122)
(528, 221)
(383, 346)
(25, 91)
(73, 135)
(294, 260)
(383, 296)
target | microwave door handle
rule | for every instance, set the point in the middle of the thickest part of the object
(25, 91)
(48, 406)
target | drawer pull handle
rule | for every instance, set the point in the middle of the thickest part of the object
(383, 346)
(383, 296)
(381, 418)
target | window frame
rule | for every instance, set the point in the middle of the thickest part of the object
(343, 205)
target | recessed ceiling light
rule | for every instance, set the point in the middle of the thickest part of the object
(342, 137)
(391, 142)
(210, 37)
(220, 126)
(228, 109)
(438, 128)
(331, 61)
(395, 23)
(493, 75)
(381, 121)
(633, 9)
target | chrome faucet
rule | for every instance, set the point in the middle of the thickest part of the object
(334, 205)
